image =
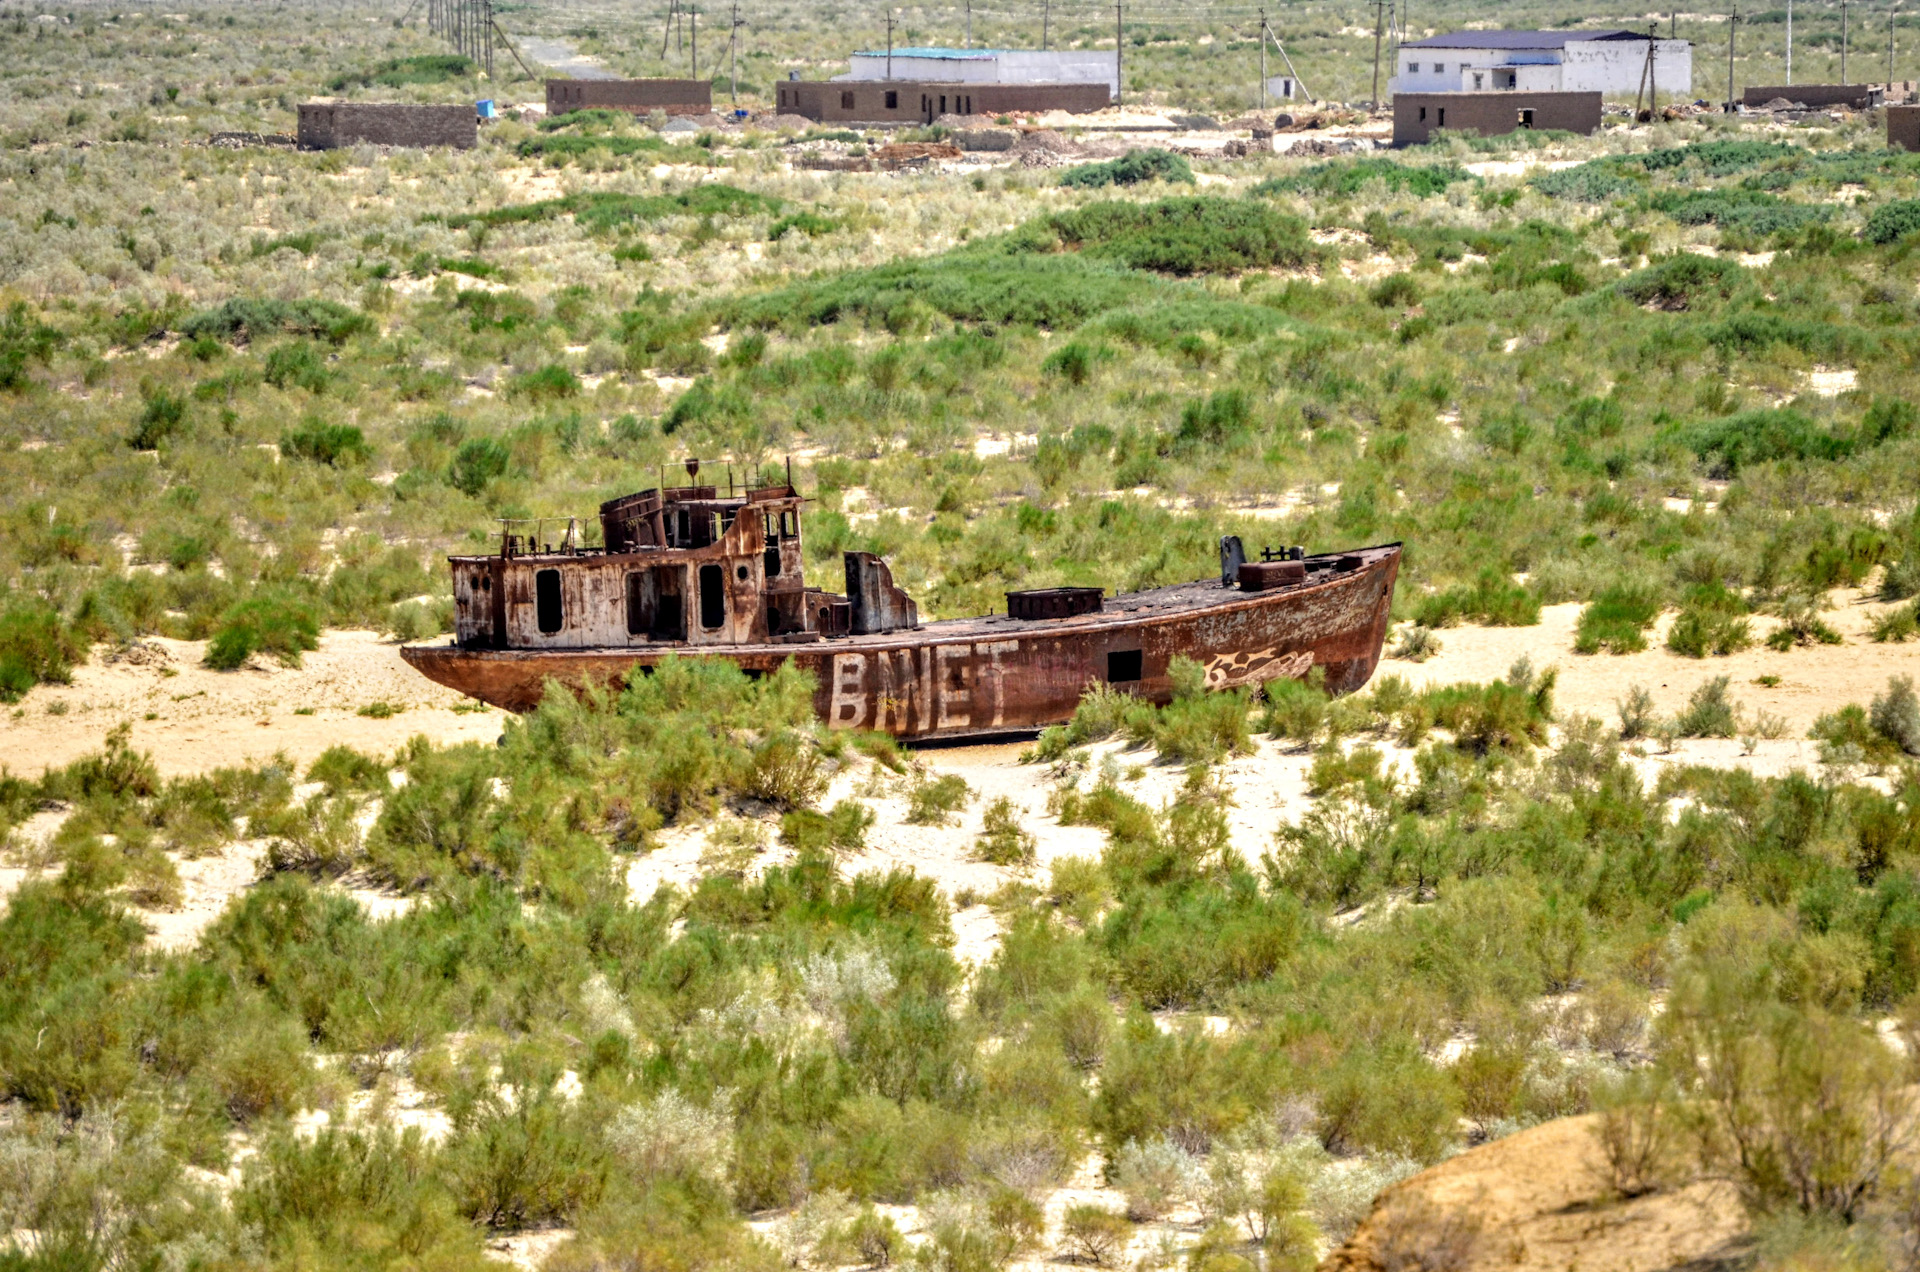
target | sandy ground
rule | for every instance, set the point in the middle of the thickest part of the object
(1813, 680)
(197, 719)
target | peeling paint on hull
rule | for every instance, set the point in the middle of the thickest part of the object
(981, 676)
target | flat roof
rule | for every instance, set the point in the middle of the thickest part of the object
(1516, 39)
(945, 55)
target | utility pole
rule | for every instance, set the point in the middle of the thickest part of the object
(1789, 41)
(1119, 44)
(666, 32)
(1263, 61)
(1645, 67)
(1379, 15)
(733, 57)
(1732, 21)
(693, 36)
(1843, 41)
(1893, 18)
(889, 43)
(969, 23)
(1046, 22)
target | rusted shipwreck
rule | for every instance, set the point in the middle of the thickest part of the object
(691, 571)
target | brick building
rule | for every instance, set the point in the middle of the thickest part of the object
(1903, 127)
(329, 125)
(922, 101)
(639, 96)
(1416, 116)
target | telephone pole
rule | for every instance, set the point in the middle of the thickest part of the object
(1732, 22)
(1843, 41)
(733, 57)
(1893, 18)
(1263, 61)
(1789, 41)
(1119, 43)
(969, 23)
(1379, 16)
(1046, 22)
(693, 36)
(889, 43)
(666, 32)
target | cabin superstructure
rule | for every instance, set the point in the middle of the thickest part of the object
(683, 566)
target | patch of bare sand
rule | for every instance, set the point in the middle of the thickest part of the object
(1540, 1200)
(1813, 680)
(203, 719)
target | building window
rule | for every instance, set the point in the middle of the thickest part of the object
(1413, 68)
(1479, 81)
(943, 103)
(846, 101)
(713, 596)
(1423, 114)
(1443, 116)
(1123, 665)
(546, 597)
(893, 100)
(1526, 119)
(1439, 67)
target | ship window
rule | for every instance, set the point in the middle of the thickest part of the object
(1123, 665)
(771, 559)
(787, 526)
(740, 572)
(639, 616)
(486, 583)
(713, 596)
(546, 596)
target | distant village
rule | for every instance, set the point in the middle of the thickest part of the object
(1485, 82)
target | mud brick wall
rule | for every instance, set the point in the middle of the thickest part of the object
(638, 96)
(1856, 96)
(921, 101)
(329, 125)
(1903, 127)
(1416, 116)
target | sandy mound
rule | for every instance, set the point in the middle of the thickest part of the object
(1539, 1200)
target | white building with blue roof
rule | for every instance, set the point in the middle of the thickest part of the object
(987, 66)
(1609, 62)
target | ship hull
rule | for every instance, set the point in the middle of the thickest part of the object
(984, 676)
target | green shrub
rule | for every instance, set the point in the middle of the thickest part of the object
(266, 623)
(1186, 236)
(1130, 169)
(1617, 620)
(479, 461)
(842, 828)
(247, 320)
(811, 224)
(1493, 598)
(934, 801)
(1683, 281)
(1709, 711)
(162, 418)
(548, 383)
(1711, 621)
(341, 769)
(36, 647)
(1002, 840)
(1346, 177)
(336, 445)
(1896, 715)
(1901, 623)
(297, 364)
(1893, 221)
(1295, 708)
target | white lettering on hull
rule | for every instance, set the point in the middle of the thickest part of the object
(946, 687)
